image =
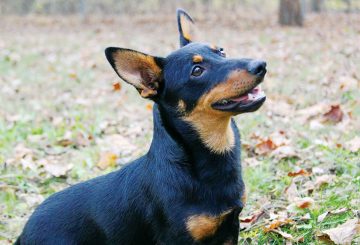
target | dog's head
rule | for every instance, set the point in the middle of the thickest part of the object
(196, 83)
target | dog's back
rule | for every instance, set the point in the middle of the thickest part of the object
(99, 211)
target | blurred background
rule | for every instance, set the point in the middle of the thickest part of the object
(91, 7)
(66, 117)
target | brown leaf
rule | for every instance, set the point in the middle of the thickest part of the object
(342, 234)
(253, 218)
(107, 159)
(116, 86)
(277, 223)
(305, 202)
(334, 115)
(275, 140)
(302, 172)
(265, 147)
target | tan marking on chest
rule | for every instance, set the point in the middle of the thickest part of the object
(203, 226)
(214, 126)
(214, 131)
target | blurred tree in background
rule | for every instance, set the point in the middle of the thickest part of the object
(83, 7)
(291, 13)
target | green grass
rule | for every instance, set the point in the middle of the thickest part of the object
(56, 85)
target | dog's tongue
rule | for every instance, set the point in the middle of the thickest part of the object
(250, 96)
(241, 98)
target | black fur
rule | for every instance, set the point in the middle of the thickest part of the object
(150, 200)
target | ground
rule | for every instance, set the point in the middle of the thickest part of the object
(65, 117)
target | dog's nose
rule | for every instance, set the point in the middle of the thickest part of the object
(257, 67)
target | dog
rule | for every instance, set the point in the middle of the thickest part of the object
(188, 188)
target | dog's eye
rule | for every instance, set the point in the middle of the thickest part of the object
(222, 52)
(197, 71)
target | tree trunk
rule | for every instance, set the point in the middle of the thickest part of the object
(317, 5)
(291, 13)
(348, 6)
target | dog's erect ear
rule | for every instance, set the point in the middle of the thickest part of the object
(142, 71)
(186, 27)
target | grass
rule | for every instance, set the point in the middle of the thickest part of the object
(56, 86)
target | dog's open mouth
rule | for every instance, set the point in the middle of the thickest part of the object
(247, 102)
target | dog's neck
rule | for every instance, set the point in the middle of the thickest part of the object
(180, 137)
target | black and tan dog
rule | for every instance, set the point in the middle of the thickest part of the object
(188, 188)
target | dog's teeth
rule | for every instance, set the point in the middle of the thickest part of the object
(224, 102)
(250, 96)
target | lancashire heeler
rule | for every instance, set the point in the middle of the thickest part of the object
(188, 188)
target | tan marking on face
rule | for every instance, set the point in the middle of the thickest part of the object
(197, 58)
(181, 106)
(203, 226)
(214, 126)
(129, 64)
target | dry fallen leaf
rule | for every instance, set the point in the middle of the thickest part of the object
(342, 234)
(279, 138)
(116, 86)
(321, 217)
(305, 202)
(251, 162)
(253, 218)
(31, 199)
(116, 143)
(107, 159)
(311, 112)
(334, 115)
(272, 142)
(264, 147)
(28, 163)
(324, 179)
(284, 234)
(291, 192)
(55, 167)
(302, 172)
(277, 223)
(354, 144)
(248, 222)
(284, 152)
